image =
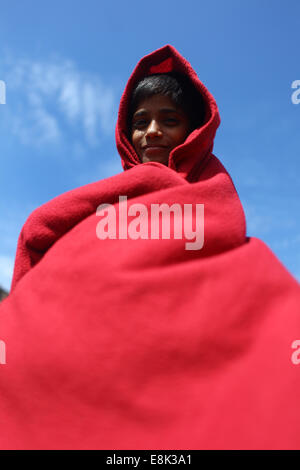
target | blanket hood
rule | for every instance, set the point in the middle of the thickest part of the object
(187, 157)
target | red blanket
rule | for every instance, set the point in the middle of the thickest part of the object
(140, 343)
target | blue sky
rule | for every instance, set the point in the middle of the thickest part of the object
(65, 64)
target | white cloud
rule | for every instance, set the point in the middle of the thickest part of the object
(6, 271)
(48, 99)
(69, 98)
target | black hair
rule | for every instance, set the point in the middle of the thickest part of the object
(176, 86)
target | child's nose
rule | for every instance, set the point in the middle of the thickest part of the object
(153, 128)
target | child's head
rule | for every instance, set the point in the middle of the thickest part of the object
(164, 109)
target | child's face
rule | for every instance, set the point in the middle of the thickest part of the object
(158, 126)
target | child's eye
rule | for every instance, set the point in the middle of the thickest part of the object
(139, 123)
(171, 121)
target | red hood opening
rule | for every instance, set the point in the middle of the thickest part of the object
(186, 157)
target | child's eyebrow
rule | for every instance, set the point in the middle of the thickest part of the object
(140, 113)
(168, 110)
(161, 110)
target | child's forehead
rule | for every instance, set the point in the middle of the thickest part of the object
(157, 102)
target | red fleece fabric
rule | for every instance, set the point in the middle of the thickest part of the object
(140, 343)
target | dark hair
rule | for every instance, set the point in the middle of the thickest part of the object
(175, 85)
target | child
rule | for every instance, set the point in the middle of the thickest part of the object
(138, 343)
(164, 110)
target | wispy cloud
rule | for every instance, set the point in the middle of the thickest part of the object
(48, 99)
(6, 271)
